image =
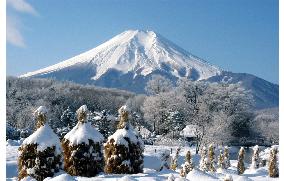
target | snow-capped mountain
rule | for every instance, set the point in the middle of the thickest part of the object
(127, 62)
(140, 52)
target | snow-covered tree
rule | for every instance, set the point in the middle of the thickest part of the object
(273, 169)
(187, 166)
(82, 147)
(40, 153)
(124, 149)
(241, 164)
(204, 162)
(104, 124)
(174, 162)
(66, 123)
(255, 160)
(227, 157)
(158, 84)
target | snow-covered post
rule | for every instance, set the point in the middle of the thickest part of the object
(203, 164)
(255, 160)
(40, 153)
(174, 162)
(124, 149)
(241, 164)
(212, 159)
(187, 166)
(82, 148)
(272, 165)
(226, 157)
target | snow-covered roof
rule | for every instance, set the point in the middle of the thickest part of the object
(120, 135)
(189, 131)
(82, 132)
(44, 137)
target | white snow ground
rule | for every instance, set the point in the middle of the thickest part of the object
(151, 165)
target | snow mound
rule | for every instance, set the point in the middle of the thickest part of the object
(44, 137)
(28, 178)
(81, 133)
(120, 135)
(197, 175)
(243, 178)
(127, 178)
(62, 177)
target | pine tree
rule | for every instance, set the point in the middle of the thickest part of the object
(212, 159)
(187, 166)
(204, 164)
(40, 153)
(241, 165)
(272, 165)
(221, 160)
(226, 157)
(82, 148)
(174, 163)
(124, 149)
(255, 160)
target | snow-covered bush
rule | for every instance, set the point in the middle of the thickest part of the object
(82, 147)
(187, 166)
(241, 164)
(228, 178)
(255, 160)
(40, 153)
(272, 164)
(226, 157)
(124, 149)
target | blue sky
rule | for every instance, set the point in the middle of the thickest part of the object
(236, 35)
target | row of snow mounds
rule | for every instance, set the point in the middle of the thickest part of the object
(82, 148)
(40, 153)
(124, 149)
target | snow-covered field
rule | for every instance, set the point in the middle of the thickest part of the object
(152, 164)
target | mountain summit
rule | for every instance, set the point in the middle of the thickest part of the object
(139, 52)
(128, 61)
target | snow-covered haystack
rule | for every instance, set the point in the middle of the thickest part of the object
(241, 164)
(255, 160)
(272, 164)
(124, 149)
(82, 148)
(187, 166)
(40, 153)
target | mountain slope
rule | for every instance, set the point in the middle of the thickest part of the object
(128, 61)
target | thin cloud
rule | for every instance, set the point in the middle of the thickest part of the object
(22, 6)
(13, 29)
(13, 34)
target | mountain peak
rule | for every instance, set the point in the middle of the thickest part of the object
(140, 52)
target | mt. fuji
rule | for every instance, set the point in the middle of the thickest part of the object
(128, 61)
